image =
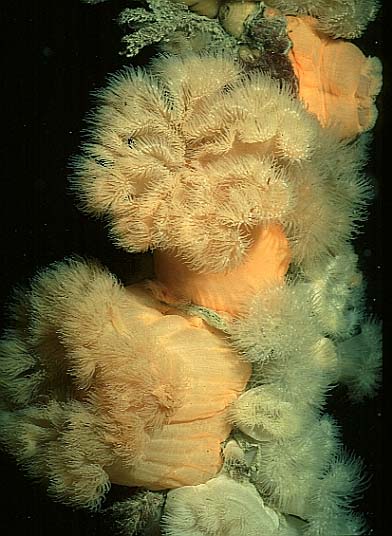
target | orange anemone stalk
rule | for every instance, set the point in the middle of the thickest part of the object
(265, 265)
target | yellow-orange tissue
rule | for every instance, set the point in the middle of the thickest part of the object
(196, 378)
(265, 265)
(337, 82)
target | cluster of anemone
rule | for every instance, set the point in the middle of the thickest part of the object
(299, 465)
(214, 409)
(103, 384)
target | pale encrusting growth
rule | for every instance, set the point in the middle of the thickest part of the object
(174, 28)
(190, 162)
(337, 18)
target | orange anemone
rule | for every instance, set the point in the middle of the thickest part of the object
(122, 388)
(337, 82)
(182, 406)
(265, 265)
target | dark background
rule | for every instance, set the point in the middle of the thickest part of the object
(55, 53)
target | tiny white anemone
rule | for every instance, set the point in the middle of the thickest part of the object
(288, 471)
(337, 292)
(262, 414)
(360, 360)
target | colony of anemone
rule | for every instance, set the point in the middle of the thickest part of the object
(204, 386)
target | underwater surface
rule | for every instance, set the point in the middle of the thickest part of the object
(56, 53)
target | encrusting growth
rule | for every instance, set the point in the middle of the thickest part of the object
(173, 27)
